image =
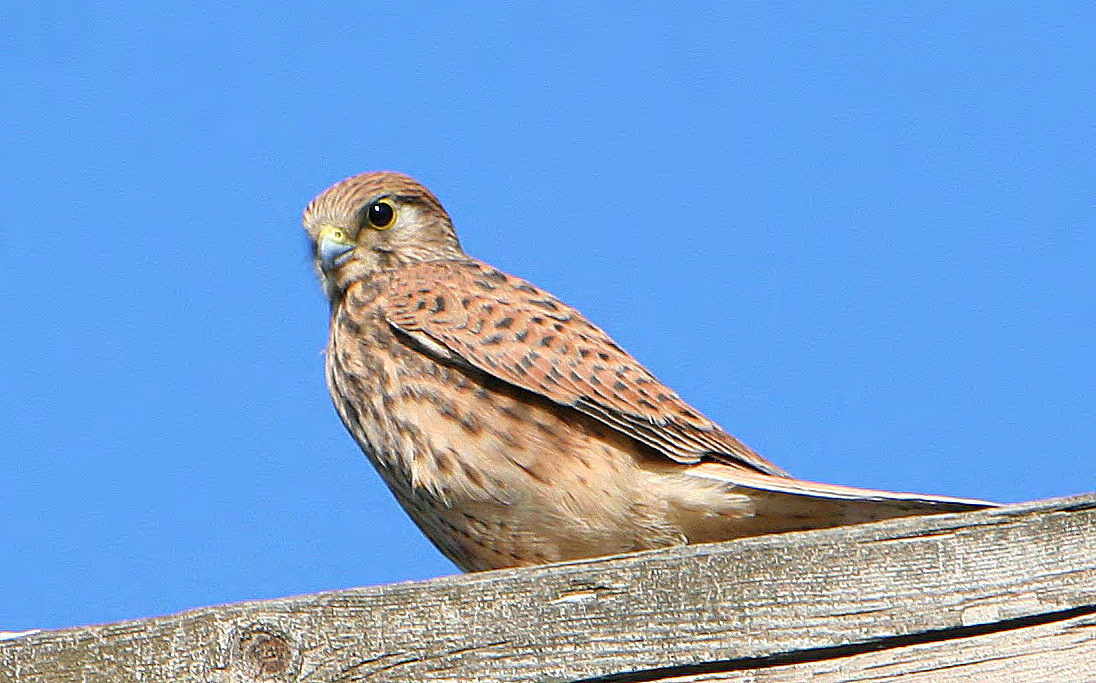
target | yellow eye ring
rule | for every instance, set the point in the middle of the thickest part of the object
(380, 215)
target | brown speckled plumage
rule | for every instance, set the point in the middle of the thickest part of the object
(512, 429)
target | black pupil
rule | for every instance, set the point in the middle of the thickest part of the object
(381, 214)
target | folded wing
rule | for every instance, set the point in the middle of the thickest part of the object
(469, 313)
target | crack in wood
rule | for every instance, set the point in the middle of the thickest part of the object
(350, 672)
(355, 671)
(940, 667)
(928, 534)
(450, 654)
(1075, 507)
(839, 651)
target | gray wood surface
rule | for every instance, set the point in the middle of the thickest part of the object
(1006, 594)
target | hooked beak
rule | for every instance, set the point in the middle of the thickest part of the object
(333, 248)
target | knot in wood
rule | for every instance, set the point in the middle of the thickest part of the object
(265, 654)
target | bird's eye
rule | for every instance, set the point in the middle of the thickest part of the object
(380, 215)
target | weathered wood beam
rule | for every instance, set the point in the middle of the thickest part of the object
(1007, 593)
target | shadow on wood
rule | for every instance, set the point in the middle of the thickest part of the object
(1008, 594)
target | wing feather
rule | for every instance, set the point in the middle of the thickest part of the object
(519, 333)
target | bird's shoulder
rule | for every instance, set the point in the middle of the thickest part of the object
(502, 321)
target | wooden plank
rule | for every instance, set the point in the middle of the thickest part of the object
(853, 599)
(1056, 651)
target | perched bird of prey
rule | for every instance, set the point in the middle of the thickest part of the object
(511, 428)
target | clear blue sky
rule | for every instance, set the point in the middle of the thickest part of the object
(858, 237)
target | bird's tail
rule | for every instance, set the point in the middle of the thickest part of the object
(772, 504)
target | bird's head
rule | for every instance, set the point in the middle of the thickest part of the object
(376, 221)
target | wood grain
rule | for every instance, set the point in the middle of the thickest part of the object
(1007, 594)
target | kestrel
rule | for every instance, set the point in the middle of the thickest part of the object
(512, 429)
